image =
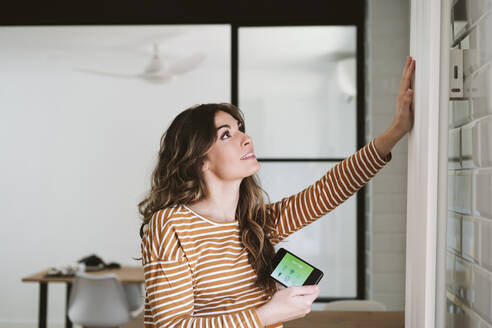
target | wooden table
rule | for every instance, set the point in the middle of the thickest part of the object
(126, 274)
(349, 319)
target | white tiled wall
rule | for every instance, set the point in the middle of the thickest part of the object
(469, 227)
(387, 44)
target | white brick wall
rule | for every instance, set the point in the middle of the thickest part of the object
(387, 44)
(469, 228)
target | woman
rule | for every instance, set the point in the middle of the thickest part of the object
(208, 235)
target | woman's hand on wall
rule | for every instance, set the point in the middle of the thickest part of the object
(403, 120)
(288, 304)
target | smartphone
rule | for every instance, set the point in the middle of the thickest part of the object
(290, 270)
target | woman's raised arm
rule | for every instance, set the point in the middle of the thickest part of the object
(343, 180)
(332, 189)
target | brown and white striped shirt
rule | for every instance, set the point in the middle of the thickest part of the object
(196, 270)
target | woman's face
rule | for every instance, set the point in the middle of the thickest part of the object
(226, 158)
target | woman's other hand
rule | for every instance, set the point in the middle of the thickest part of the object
(288, 304)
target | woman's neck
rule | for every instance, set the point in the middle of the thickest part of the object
(217, 212)
(221, 203)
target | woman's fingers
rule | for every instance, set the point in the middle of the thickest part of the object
(406, 77)
(401, 91)
(409, 73)
(289, 303)
(410, 70)
(403, 120)
(305, 290)
(407, 64)
(408, 97)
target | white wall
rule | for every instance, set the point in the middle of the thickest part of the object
(387, 44)
(78, 149)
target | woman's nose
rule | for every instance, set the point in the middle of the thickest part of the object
(247, 139)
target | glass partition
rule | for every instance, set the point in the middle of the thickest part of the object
(297, 89)
(329, 243)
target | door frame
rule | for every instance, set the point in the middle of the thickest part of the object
(427, 166)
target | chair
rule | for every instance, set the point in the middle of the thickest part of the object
(100, 300)
(354, 305)
(135, 296)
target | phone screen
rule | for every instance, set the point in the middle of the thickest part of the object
(291, 271)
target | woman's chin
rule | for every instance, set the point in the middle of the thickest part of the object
(257, 168)
(252, 168)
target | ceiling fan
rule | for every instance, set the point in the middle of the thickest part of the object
(158, 70)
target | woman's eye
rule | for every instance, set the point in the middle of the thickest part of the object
(226, 133)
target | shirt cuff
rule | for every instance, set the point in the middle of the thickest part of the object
(255, 318)
(379, 160)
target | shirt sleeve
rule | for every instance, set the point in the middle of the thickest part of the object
(332, 189)
(169, 283)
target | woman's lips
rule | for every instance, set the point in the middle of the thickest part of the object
(249, 157)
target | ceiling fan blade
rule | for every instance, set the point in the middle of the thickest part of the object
(157, 79)
(90, 71)
(154, 66)
(186, 64)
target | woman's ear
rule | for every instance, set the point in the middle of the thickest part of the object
(204, 165)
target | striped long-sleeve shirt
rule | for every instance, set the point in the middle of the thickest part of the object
(197, 272)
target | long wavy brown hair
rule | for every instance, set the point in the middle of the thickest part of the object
(178, 179)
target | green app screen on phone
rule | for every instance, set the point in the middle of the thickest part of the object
(292, 271)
